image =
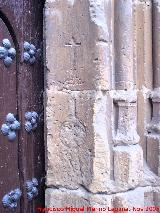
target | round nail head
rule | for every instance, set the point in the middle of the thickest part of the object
(26, 56)
(32, 60)
(28, 126)
(33, 47)
(5, 129)
(6, 43)
(8, 61)
(11, 135)
(28, 116)
(10, 118)
(12, 52)
(3, 52)
(35, 115)
(27, 46)
(31, 52)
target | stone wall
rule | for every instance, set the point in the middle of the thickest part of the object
(102, 103)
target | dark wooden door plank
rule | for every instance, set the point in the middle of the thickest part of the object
(9, 165)
(25, 17)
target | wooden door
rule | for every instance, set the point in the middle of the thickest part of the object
(21, 91)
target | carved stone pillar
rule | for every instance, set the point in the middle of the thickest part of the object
(123, 44)
(125, 99)
(153, 140)
(126, 132)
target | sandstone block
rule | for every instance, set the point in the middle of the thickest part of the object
(133, 200)
(81, 199)
(78, 53)
(156, 194)
(151, 199)
(125, 117)
(128, 165)
(143, 117)
(143, 30)
(123, 40)
(61, 198)
(78, 150)
(153, 144)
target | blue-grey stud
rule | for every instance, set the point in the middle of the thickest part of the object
(17, 194)
(7, 61)
(15, 197)
(28, 126)
(6, 201)
(11, 193)
(5, 129)
(34, 191)
(12, 53)
(7, 53)
(31, 52)
(15, 125)
(18, 191)
(10, 127)
(28, 116)
(35, 115)
(35, 181)
(10, 200)
(27, 46)
(10, 118)
(26, 57)
(33, 47)
(11, 135)
(29, 185)
(31, 121)
(6, 43)
(30, 196)
(13, 205)
(32, 60)
(3, 52)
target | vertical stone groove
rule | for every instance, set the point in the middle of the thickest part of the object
(125, 98)
(153, 140)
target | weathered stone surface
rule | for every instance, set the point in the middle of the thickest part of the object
(156, 195)
(78, 50)
(63, 198)
(98, 60)
(128, 165)
(125, 116)
(151, 199)
(148, 198)
(133, 200)
(143, 39)
(153, 149)
(156, 44)
(123, 40)
(126, 131)
(78, 151)
(143, 117)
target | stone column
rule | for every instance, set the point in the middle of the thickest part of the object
(144, 67)
(153, 141)
(128, 155)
